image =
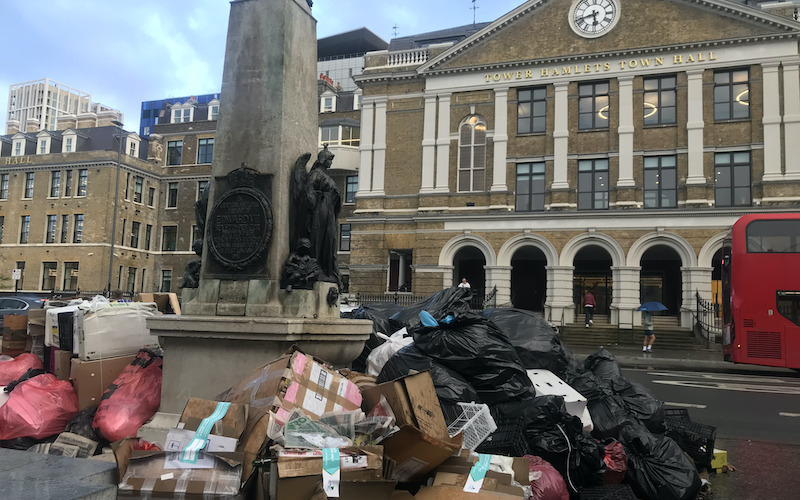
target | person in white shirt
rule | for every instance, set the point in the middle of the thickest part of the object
(464, 283)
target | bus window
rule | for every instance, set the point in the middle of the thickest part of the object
(773, 236)
(788, 304)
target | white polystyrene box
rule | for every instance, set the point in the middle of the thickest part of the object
(51, 332)
(116, 329)
(547, 383)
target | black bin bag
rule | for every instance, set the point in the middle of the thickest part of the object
(379, 313)
(450, 300)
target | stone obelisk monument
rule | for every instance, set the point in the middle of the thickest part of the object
(239, 317)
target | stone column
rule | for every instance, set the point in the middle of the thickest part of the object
(625, 131)
(443, 145)
(500, 139)
(500, 277)
(694, 280)
(379, 148)
(694, 127)
(772, 123)
(626, 298)
(791, 119)
(428, 145)
(559, 295)
(365, 148)
(560, 137)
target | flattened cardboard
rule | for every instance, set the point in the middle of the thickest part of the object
(92, 378)
(445, 492)
(62, 366)
(299, 466)
(167, 303)
(15, 323)
(232, 425)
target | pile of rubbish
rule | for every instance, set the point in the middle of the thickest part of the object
(442, 401)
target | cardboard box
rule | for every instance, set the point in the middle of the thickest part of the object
(115, 329)
(447, 492)
(15, 323)
(293, 380)
(422, 442)
(144, 472)
(14, 334)
(167, 302)
(224, 434)
(455, 470)
(62, 366)
(92, 378)
(297, 474)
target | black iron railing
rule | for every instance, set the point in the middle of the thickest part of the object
(707, 320)
(477, 302)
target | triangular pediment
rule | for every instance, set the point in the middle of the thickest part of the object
(541, 30)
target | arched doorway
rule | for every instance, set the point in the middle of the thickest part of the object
(528, 279)
(661, 277)
(593, 272)
(469, 263)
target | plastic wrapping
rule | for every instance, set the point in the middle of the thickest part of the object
(379, 314)
(381, 354)
(546, 482)
(13, 369)
(38, 408)
(616, 461)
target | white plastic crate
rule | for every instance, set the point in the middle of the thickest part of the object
(547, 383)
(475, 421)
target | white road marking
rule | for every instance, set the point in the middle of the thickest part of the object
(731, 387)
(684, 405)
(787, 414)
(723, 376)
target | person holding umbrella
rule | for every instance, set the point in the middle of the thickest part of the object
(647, 322)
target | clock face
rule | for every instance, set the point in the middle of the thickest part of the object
(593, 18)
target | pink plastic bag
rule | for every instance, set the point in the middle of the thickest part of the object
(38, 408)
(132, 399)
(616, 463)
(546, 481)
(15, 368)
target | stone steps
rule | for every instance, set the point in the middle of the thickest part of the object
(669, 334)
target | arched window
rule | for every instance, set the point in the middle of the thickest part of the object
(472, 155)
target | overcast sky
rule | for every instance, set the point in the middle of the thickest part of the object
(126, 52)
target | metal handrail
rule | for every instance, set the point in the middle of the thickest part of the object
(706, 319)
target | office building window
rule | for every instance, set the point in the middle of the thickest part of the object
(151, 197)
(166, 280)
(472, 154)
(68, 184)
(148, 233)
(24, 229)
(21, 267)
(660, 96)
(71, 275)
(50, 236)
(201, 185)
(29, 177)
(351, 188)
(83, 181)
(351, 136)
(135, 234)
(138, 184)
(400, 262)
(593, 184)
(2, 226)
(172, 195)
(530, 187)
(131, 287)
(531, 110)
(169, 239)
(64, 229)
(127, 186)
(49, 271)
(55, 183)
(593, 106)
(344, 237)
(122, 236)
(329, 135)
(731, 95)
(77, 234)
(660, 182)
(3, 186)
(205, 150)
(174, 151)
(732, 179)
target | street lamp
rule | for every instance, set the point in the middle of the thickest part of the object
(116, 202)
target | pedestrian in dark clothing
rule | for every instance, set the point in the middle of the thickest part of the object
(588, 307)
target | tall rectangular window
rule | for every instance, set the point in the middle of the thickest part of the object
(344, 237)
(660, 182)
(131, 286)
(49, 272)
(732, 94)
(172, 195)
(351, 136)
(174, 152)
(127, 186)
(64, 229)
(351, 188)
(169, 239)
(3, 186)
(138, 183)
(531, 110)
(213, 112)
(593, 106)
(21, 267)
(472, 155)
(68, 145)
(151, 197)
(660, 96)
(55, 184)
(732, 179)
(43, 147)
(593, 184)
(205, 150)
(50, 236)
(68, 184)
(148, 233)
(71, 275)
(77, 234)
(83, 181)
(201, 185)
(400, 262)
(122, 238)
(24, 229)
(530, 187)
(2, 226)
(166, 280)
(329, 135)
(132, 148)
(17, 148)
(29, 177)
(135, 226)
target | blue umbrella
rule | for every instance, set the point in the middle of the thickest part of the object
(652, 306)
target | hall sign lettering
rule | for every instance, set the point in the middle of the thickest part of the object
(15, 160)
(602, 67)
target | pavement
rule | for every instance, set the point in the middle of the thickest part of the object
(703, 360)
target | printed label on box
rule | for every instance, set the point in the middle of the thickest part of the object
(478, 473)
(331, 472)
(321, 376)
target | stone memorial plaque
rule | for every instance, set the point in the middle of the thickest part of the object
(240, 228)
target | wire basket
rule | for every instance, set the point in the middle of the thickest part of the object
(508, 439)
(608, 492)
(677, 413)
(473, 419)
(694, 438)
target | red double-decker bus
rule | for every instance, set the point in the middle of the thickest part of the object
(761, 291)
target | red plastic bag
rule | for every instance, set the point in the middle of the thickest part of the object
(13, 369)
(546, 481)
(131, 399)
(38, 408)
(616, 463)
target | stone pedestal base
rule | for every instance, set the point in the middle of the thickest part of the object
(205, 355)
